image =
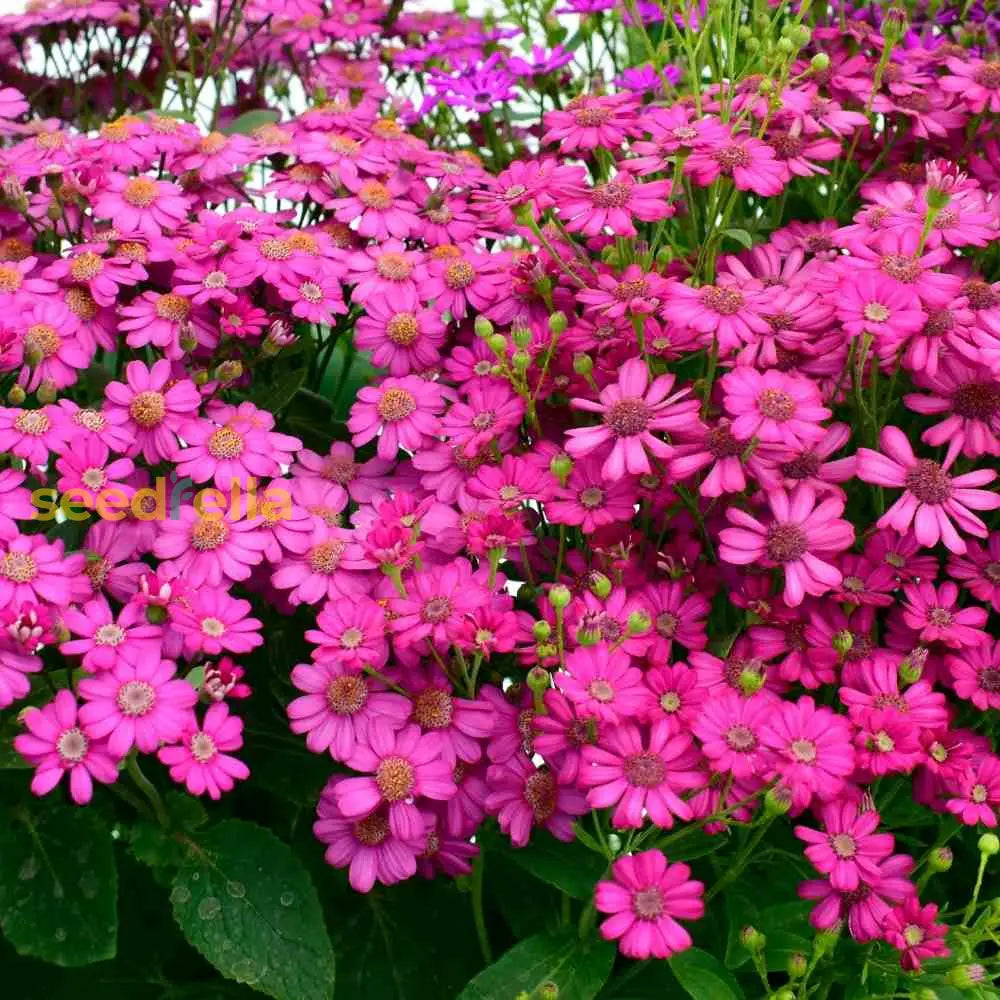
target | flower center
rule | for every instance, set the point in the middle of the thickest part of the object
(396, 404)
(591, 497)
(18, 567)
(136, 698)
(433, 708)
(202, 747)
(375, 195)
(928, 482)
(148, 408)
(225, 443)
(395, 779)
(645, 770)
(980, 294)
(436, 610)
(310, 291)
(843, 845)
(647, 904)
(72, 745)
(325, 557)
(79, 301)
(10, 279)
(402, 329)
(540, 794)
(882, 742)
(988, 75)
(785, 542)
(140, 192)
(776, 404)
(804, 751)
(592, 117)
(213, 627)
(32, 422)
(875, 312)
(979, 794)
(628, 417)
(173, 307)
(601, 690)
(614, 194)
(721, 443)
(802, 467)
(86, 266)
(394, 267)
(209, 533)
(939, 617)
(902, 268)
(42, 340)
(351, 638)
(725, 301)
(989, 680)
(372, 830)
(732, 157)
(109, 635)
(459, 274)
(977, 400)
(628, 290)
(670, 702)
(215, 279)
(275, 249)
(912, 935)
(347, 694)
(740, 738)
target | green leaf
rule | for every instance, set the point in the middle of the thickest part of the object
(704, 977)
(251, 120)
(740, 235)
(58, 884)
(571, 867)
(245, 901)
(578, 968)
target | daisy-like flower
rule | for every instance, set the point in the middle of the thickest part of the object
(141, 205)
(108, 641)
(400, 340)
(436, 602)
(201, 760)
(978, 798)
(676, 616)
(399, 767)
(976, 81)
(910, 928)
(367, 847)
(975, 674)
(730, 729)
(315, 293)
(801, 533)
(462, 723)
(142, 705)
(871, 302)
(589, 500)
(614, 204)
(15, 502)
(847, 849)
(351, 633)
(641, 776)
(812, 750)
(886, 742)
(873, 683)
(523, 796)
(732, 314)
(211, 621)
(33, 434)
(54, 353)
(645, 898)
(933, 501)
(400, 412)
(934, 613)
(775, 407)
(677, 695)
(631, 410)
(86, 469)
(602, 683)
(35, 571)
(380, 207)
(338, 707)
(634, 292)
(979, 570)
(751, 164)
(591, 122)
(456, 283)
(58, 742)
(154, 407)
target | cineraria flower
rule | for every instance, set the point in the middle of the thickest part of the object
(58, 742)
(979, 570)
(774, 407)
(212, 620)
(847, 849)
(34, 571)
(911, 929)
(730, 729)
(975, 674)
(646, 897)
(141, 205)
(108, 641)
(932, 499)
(934, 614)
(602, 683)
(591, 122)
(631, 410)
(351, 633)
(401, 340)
(752, 165)
(200, 760)
(733, 315)
(978, 798)
(400, 412)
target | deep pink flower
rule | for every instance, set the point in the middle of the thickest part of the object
(731, 731)
(351, 633)
(602, 683)
(774, 407)
(109, 641)
(400, 412)
(200, 760)
(211, 621)
(752, 165)
(978, 798)
(911, 929)
(975, 674)
(933, 612)
(847, 849)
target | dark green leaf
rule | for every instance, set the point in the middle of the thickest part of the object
(251, 120)
(58, 884)
(245, 901)
(704, 977)
(578, 968)
(740, 235)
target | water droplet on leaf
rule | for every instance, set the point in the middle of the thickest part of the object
(209, 907)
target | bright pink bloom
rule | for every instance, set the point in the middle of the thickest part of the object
(400, 412)
(935, 615)
(731, 731)
(108, 641)
(602, 683)
(774, 407)
(847, 849)
(911, 929)
(200, 760)
(211, 621)
(975, 674)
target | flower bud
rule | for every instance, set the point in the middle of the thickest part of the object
(599, 585)
(560, 467)
(16, 395)
(801, 35)
(155, 614)
(936, 198)
(229, 371)
(558, 323)
(483, 327)
(521, 360)
(989, 844)
(820, 62)
(750, 681)
(752, 939)
(777, 801)
(785, 46)
(498, 344)
(638, 623)
(924, 993)
(548, 991)
(796, 965)
(966, 976)
(544, 650)
(559, 596)
(614, 842)
(910, 671)
(940, 859)
(47, 392)
(588, 636)
(199, 377)
(541, 630)
(521, 335)
(538, 680)
(843, 641)
(583, 364)
(783, 994)
(826, 941)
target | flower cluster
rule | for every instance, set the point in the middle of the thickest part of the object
(670, 505)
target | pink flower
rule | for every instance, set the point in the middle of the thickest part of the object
(870, 302)
(847, 849)
(634, 292)
(402, 765)
(975, 674)
(58, 742)
(775, 407)
(211, 621)
(733, 315)
(934, 614)
(380, 207)
(351, 633)
(677, 617)
(641, 775)
(463, 723)
(339, 707)
(590, 501)
(400, 412)
(631, 410)
(752, 165)
(141, 205)
(602, 683)
(979, 570)
(401, 340)
(35, 571)
(731, 731)
(911, 929)
(200, 761)
(614, 204)
(796, 539)
(646, 897)
(142, 705)
(978, 797)
(333, 566)
(435, 604)
(367, 847)
(932, 499)
(590, 122)
(976, 82)
(109, 642)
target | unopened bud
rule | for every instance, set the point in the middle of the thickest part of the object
(561, 466)
(910, 671)
(924, 993)
(538, 680)
(583, 364)
(820, 62)
(558, 323)
(521, 335)
(752, 939)
(483, 327)
(229, 371)
(940, 859)
(156, 614)
(541, 630)
(843, 641)
(801, 35)
(638, 623)
(498, 344)
(47, 392)
(599, 585)
(750, 681)
(559, 596)
(966, 976)
(777, 801)
(16, 395)
(785, 46)
(796, 965)
(521, 361)
(989, 844)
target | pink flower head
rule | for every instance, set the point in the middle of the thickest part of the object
(911, 929)
(57, 742)
(200, 760)
(731, 731)
(847, 849)
(142, 705)
(142, 205)
(935, 614)
(211, 621)
(631, 410)
(602, 683)
(774, 407)
(975, 674)
(400, 412)
(108, 641)
(646, 897)
(351, 633)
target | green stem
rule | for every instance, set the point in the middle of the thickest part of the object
(148, 789)
(478, 916)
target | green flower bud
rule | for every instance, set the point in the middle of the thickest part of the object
(541, 630)
(498, 344)
(638, 622)
(750, 681)
(989, 844)
(801, 35)
(796, 965)
(155, 614)
(588, 636)
(785, 46)
(583, 364)
(559, 596)
(910, 671)
(47, 392)
(16, 395)
(924, 993)
(483, 327)
(843, 642)
(614, 842)
(599, 585)
(558, 323)
(229, 371)
(560, 467)
(521, 361)
(820, 62)
(966, 976)
(752, 939)
(752, 44)
(521, 335)
(777, 801)
(545, 650)
(783, 994)
(940, 859)
(539, 680)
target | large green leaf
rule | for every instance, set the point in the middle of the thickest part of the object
(704, 977)
(58, 884)
(250, 120)
(578, 968)
(246, 902)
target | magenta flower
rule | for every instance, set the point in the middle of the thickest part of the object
(933, 501)
(631, 410)
(602, 683)
(732, 314)
(34, 571)
(646, 896)
(975, 674)
(351, 633)
(402, 766)
(400, 340)
(774, 407)
(400, 412)
(212, 621)
(933, 612)
(731, 732)
(333, 566)
(641, 775)
(591, 122)
(108, 641)
(847, 849)
(752, 165)
(142, 705)
(436, 602)
(200, 760)
(911, 929)
(141, 205)
(978, 798)
(58, 742)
